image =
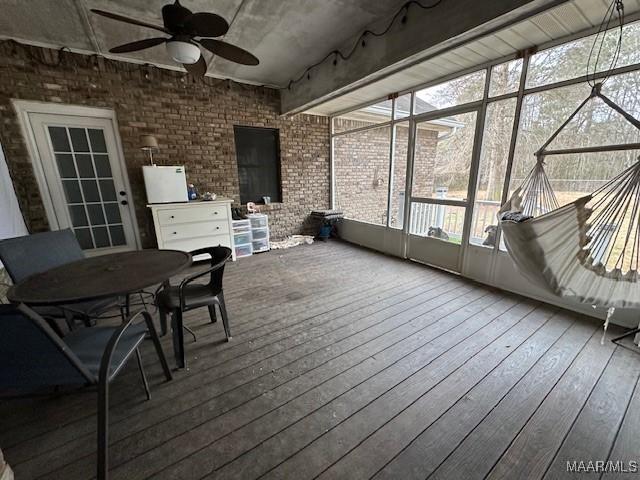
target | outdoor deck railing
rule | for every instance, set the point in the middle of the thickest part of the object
(451, 219)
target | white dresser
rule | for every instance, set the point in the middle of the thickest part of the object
(193, 225)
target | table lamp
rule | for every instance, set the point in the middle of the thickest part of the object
(149, 144)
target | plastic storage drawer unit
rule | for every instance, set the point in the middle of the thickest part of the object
(260, 234)
(244, 251)
(242, 238)
(258, 220)
(261, 245)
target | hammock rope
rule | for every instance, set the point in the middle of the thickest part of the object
(615, 10)
(588, 249)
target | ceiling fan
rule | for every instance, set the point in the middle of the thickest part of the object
(188, 32)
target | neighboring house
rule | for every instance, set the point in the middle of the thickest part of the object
(361, 160)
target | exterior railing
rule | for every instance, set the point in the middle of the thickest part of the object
(484, 215)
(450, 220)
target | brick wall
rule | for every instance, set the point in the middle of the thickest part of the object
(361, 164)
(192, 121)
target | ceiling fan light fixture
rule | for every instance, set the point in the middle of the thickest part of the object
(183, 52)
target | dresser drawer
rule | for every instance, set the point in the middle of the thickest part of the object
(194, 230)
(190, 244)
(191, 214)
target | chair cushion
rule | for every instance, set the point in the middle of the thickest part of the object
(89, 344)
(195, 295)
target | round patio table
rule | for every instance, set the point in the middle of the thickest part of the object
(100, 277)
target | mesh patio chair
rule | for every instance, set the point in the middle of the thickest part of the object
(175, 300)
(33, 357)
(30, 254)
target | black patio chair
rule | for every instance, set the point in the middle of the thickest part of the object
(175, 300)
(33, 357)
(30, 254)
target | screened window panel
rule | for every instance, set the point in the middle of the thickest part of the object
(461, 90)
(569, 60)
(492, 168)
(361, 174)
(363, 117)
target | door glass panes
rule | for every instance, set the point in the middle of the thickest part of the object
(569, 60)
(494, 156)
(66, 166)
(72, 191)
(101, 237)
(112, 211)
(96, 214)
(363, 117)
(399, 174)
(96, 138)
(361, 174)
(79, 140)
(444, 222)
(442, 158)
(107, 189)
(505, 78)
(88, 185)
(78, 216)
(465, 89)
(103, 166)
(59, 139)
(84, 238)
(85, 166)
(90, 191)
(117, 234)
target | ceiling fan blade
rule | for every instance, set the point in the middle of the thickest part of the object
(139, 45)
(206, 25)
(197, 69)
(174, 16)
(122, 18)
(228, 51)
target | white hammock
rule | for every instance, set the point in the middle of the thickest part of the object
(569, 256)
(589, 249)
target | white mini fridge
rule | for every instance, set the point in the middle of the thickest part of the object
(165, 184)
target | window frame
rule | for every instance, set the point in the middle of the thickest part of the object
(481, 106)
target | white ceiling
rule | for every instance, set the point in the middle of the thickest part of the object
(286, 35)
(567, 19)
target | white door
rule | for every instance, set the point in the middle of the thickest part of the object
(85, 180)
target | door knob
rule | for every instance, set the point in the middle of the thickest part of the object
(122, 193)
(123, 202)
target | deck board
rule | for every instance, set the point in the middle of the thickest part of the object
(438, 439)
(602, 414)
(346, 363)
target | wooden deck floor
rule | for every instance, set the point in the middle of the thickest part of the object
(349, 364)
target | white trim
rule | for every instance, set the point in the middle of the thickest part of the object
(25, 107)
